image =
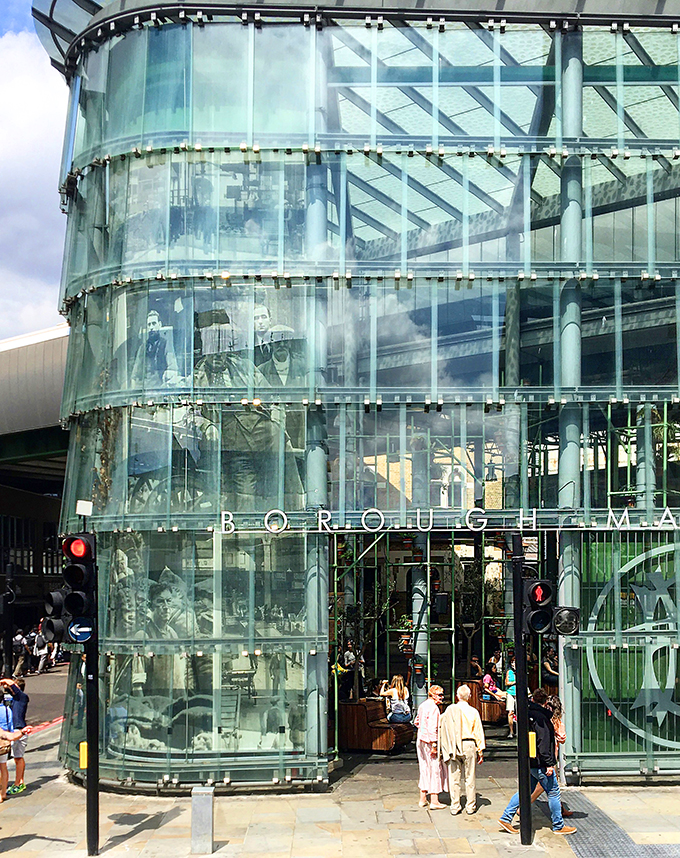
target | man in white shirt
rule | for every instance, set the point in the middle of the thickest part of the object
(462, 746)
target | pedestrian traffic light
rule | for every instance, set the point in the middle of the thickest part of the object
(541, 616)
(537, 607)
(566, 621)
(77, 600)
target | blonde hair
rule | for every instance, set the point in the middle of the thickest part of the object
(398, 684)
(435, 689)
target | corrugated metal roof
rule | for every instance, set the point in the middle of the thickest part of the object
(31, 379)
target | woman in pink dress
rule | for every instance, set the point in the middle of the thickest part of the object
(432, 772)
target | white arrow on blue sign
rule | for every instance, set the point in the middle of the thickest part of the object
(80, 630)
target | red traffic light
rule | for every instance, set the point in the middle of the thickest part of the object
(540, 593)
(77, 548)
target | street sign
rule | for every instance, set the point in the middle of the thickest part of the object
(80, 630)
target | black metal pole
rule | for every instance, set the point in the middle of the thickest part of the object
(521, 699)
(8, 620)
(92, 735)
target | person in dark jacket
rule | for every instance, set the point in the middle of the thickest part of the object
(542, 767)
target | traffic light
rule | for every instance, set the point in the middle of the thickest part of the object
(566, 621)
(537, 606)
(541, 616)
(74, 606)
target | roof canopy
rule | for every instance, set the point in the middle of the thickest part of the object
(59, 22)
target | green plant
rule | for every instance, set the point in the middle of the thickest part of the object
(405, 622)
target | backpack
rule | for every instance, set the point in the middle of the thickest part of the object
(17, 646)
(39, 642)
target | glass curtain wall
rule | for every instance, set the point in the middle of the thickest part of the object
(320, 268)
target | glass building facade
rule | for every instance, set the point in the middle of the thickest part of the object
(351, 294)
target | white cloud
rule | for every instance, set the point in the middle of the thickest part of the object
(33, 102)
(28, 304)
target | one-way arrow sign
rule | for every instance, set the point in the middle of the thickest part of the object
(80, 630)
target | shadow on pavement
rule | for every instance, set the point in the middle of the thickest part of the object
(47, 747)
(34, 785)
(18, 841)
(139, 822)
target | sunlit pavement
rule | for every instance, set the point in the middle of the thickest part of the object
(371, 810)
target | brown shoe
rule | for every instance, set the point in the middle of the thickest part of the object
(507, 827)
(566, 829)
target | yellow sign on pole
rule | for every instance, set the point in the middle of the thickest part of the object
(83, 755)
(532, 744)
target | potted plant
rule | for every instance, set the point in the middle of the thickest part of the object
(405, 625)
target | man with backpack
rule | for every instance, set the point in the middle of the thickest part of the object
(42, 652)
(19, 651)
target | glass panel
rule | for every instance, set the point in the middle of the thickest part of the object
(282, 80)
(168, 84)
(649, 334)
(92, 111)
(220, 81)
(125, 90)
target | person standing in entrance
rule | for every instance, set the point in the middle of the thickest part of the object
(511, 696)
(432, 772)
(462, 743)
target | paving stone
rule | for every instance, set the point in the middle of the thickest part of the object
(387, 817)
(329, 813)
(403, 847)
(429, 846)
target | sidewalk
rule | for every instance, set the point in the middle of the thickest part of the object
(371, 812)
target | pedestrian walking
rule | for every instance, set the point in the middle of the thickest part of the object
(20, 653)
(432, 779)
(542, 767)
(554, 704)
(462, 744)
(20, 701)
(41, 651)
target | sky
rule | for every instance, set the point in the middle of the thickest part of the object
(33, 103)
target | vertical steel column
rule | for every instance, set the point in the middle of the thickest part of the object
(420, 609)
(569, 469)
(317, 580)
(645, 470)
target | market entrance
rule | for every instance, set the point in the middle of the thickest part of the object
(422, 605)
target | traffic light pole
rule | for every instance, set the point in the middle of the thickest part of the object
(92, 735)
(8, 621)
(522, 692)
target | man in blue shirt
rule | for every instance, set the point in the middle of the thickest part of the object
(7, 731)
(19, 705)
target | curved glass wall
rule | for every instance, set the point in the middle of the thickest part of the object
(278, 83)
(356, 279)
(206, 213)
(213, 656)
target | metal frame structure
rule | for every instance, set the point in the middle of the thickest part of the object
(482, 257)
